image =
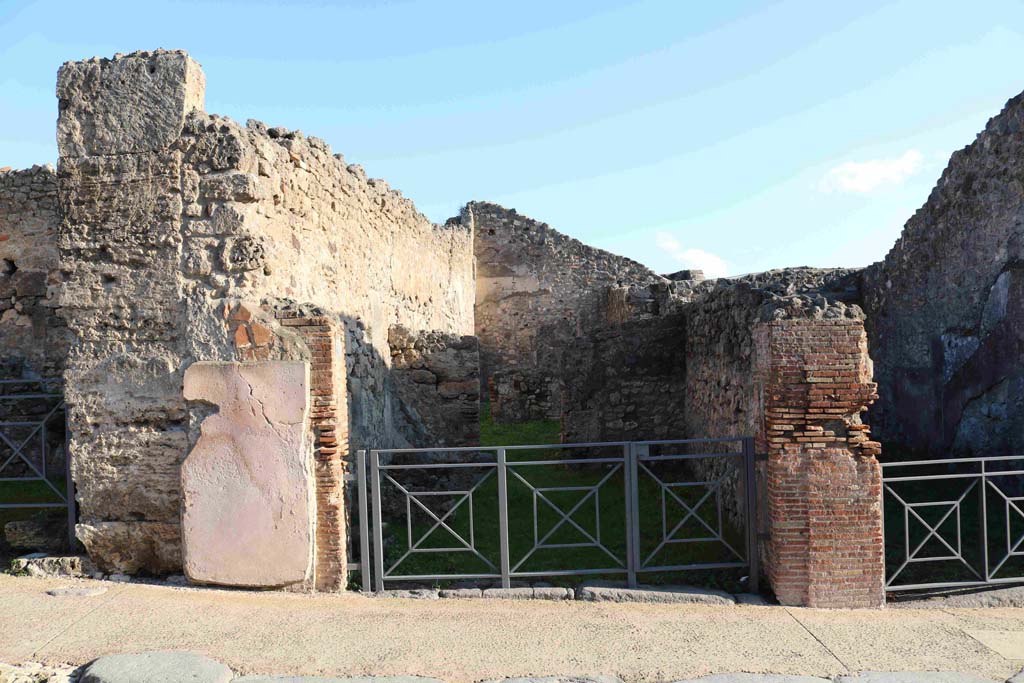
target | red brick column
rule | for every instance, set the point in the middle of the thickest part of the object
(823, 481)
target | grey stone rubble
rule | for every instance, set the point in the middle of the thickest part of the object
(34, 672)
(42, 565)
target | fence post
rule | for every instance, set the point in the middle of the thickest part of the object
(378, 532)
(364, 526)
(984, 519)
(629, 471)
(753, 554)
(506, 581)
(637, 451)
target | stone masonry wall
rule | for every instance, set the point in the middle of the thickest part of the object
(626, 383)
(945, 311)
(170, 217)
(438, 378)
(33, 338)
(536, 290)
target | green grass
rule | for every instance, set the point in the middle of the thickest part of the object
(522, 434)
(603, 514)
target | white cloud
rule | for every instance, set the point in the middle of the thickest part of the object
(862, 177)
(712, 265)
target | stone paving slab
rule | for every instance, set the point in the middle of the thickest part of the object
(559, 679)
(1012, 596)
(319, 679)
(754, 678)
(599, 592)
(156, 667)
(912, 677)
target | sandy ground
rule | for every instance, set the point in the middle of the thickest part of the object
(470, 640)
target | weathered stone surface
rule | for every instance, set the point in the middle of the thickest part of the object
(529, 593)
(247, 484)
(33, 338)
(464, 593)
(156, 667)
(437, 376)
(34, 672)
(755, 678)
(535, 290)
(133, 103)
(329, 679)
(945, 313)
(597, 592)
(912, 677)
(77, 591)
(169, 218)
(559, 679)
(41, 565)
(132, 546)
(1012, 596)
(413, 594)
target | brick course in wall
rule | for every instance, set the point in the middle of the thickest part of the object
(823, 480)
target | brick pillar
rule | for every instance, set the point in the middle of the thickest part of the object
(823, 481)
(328, 387)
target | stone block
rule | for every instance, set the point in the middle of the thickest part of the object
(156, 667)
(686, 595)
(247, 484)
(132, 103)
(129, 547)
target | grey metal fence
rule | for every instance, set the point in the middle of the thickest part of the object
(522, 512)
(34, 473)
(953, 522)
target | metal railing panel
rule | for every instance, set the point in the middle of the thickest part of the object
(578, 523)
(27, 446)
(949, 533)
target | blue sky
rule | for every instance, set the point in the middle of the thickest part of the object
(734, 136)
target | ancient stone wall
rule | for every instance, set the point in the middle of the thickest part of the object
(33, 338)
(945, 313)
(685, 361)
(437, 375)
(536, 290)
(188, 237)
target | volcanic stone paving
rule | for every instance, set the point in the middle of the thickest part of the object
(187, 667)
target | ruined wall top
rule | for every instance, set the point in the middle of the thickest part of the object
(131, 103)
